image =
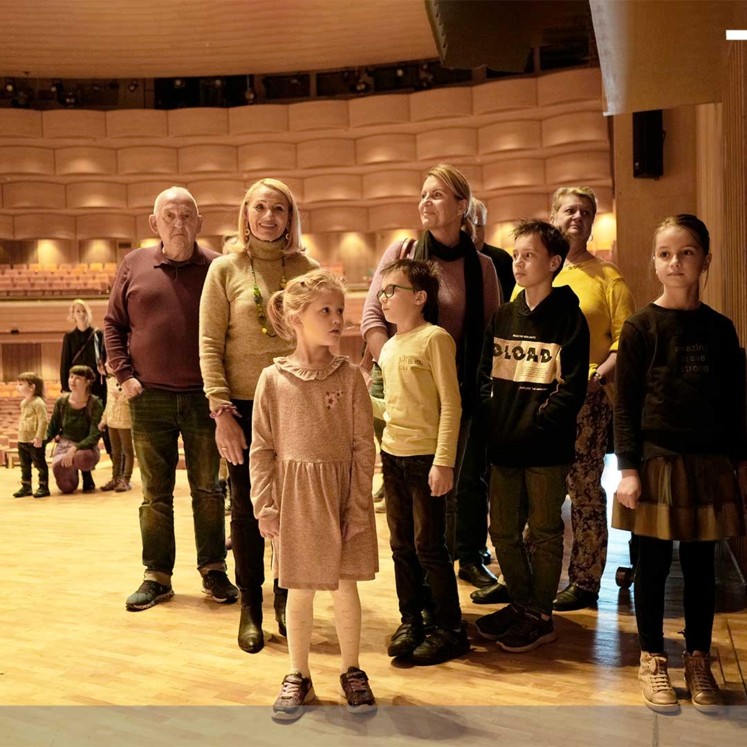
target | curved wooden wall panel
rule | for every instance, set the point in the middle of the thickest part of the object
(387, 184)
(394, 148)
(508, 136)
(515, 207)
(326, 153)
(96, 195)
(453, 142)
(217, 192)
(74, 123)
(194, 122)
(21, 123)
(267, 157)
(44, 226)
(325, 220)
(142, 195)
(137, 123)
(582, 84)
(505, 96)
(578, 168)
(85, 161)
(6, 227)
(22, 195)
(258, 120)
(318, 115)
(332, 187)
(374, 111)
(26, 160)
(442, 103)
(196, 159)
(572, 129)
(393, 216)
(104, 226)
(519, 172)
(148, 160)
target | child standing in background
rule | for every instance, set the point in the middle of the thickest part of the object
(311, 467)
(118, 420)
(32, 427)
(682, 450)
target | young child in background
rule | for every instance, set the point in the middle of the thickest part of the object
(32, 427)
(533, 379)
(311, 467)
(681, 446)
(422, 410)
(75, 428)
(118, 420)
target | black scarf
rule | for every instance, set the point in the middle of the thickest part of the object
(473, 328)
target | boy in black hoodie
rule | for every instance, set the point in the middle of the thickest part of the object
(533, 378)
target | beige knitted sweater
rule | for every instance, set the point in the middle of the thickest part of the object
(233, 350)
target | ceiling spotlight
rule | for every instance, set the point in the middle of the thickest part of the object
(70, 99)
(250, 96)
(425, 76)
(96, 87)
(10, 85)
(133, 86)
(56, 87)
(178, 82)
(218, 82)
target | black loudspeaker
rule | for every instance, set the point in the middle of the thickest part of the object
(648, 144)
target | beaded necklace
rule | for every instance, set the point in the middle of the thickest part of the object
(259, 308)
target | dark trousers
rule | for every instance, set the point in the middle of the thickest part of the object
(247, 543)
(699, 576)
(472, 497)
(29, 454)
(417, 535)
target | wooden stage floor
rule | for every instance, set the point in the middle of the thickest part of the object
(67, 640)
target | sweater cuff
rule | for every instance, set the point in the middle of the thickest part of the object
(628, 461)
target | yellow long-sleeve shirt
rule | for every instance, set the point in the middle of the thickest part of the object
(421, 406)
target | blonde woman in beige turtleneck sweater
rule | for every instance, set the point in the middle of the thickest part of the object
(236, 342)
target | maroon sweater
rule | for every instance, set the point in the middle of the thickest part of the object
(152, 323)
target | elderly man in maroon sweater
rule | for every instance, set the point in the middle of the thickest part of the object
(152, 339)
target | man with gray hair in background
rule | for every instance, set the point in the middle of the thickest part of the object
(152, 340)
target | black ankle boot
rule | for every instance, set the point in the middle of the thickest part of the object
(281, 597)
(88, 484)
(251, 638)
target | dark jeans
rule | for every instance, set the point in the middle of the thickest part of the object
(699, 592)
(417, 535)
(29, 454)
(158, 417)
(472, 497)
(533, 495)
(248, 544)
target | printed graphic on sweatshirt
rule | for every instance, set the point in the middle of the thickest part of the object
(526, 361)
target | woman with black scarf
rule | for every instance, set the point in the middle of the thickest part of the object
(468, 292)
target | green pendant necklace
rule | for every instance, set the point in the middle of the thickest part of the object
(258, 300)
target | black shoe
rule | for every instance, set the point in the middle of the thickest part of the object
(88, 484)
(148, 595)
(574, 598)
(485, 556)
(217, 586)
(477, 574)
(495, 594)
(357, 691)
(279, 602)
(251, 638)
(529, 632)
(441, 645)
(405, 640)
(494, 625)
(23, 491)
(42, 492)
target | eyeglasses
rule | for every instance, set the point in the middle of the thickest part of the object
(388, 291)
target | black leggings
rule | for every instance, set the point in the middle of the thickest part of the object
(699, 575)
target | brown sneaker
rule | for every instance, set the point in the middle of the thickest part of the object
(656, 688)
(701, 683)
(111, 484)
(122, 486)
(357, 691)
(295, 692)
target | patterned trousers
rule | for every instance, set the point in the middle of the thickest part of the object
(588, 499)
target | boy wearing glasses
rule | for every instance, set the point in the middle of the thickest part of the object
(421, 409)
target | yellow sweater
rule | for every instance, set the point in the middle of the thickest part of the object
(421, 406)
(33, 420)
(606, 302)
(233, 350)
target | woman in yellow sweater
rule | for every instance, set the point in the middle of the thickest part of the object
(236, 342)
(606, 302)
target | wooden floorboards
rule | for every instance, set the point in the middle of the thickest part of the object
(70, 561)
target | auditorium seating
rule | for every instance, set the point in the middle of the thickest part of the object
(39, 280)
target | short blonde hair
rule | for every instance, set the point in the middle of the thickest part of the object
(297, 295)
(293, 240)
(86, 307)
(562, 192)
(457, 182)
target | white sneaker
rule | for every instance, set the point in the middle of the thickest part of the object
(699, 679)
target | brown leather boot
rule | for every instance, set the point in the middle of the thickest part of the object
(251, 639)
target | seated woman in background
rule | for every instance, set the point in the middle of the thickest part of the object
(74, 426)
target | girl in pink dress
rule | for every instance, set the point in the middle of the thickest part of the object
(311, 465)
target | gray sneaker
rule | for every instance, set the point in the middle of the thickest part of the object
(295, 692)
(148, 595)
